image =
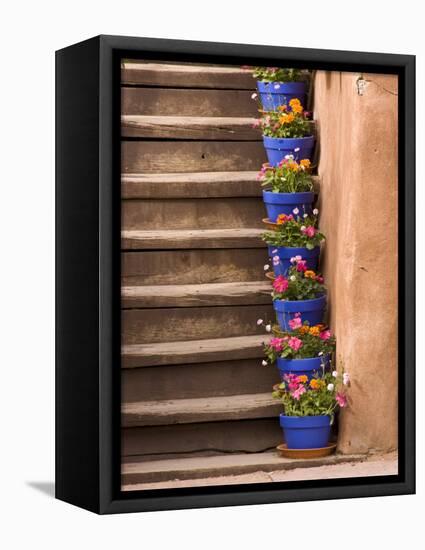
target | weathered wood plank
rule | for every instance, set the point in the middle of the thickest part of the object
(142, 326)
(192, 351)
(195, 439)
(213, 378)
(201, 266)
(185, 214)
(190, 185)
(183, 411)
(186, 75)
(187, 102)
(182, 127)
(214, 294)
(192, 238)
(188, 156)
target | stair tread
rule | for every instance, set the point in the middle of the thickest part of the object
(195, 294)
(192, 238)
(192, 351)
(219, 465)
(183, 411)
(189, 127)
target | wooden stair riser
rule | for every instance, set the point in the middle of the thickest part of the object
(189, 156)
(200, 439)
(171, 324)
(192, 213)
(187, 102)
(152, 267)
(211, 379)
(186, 76)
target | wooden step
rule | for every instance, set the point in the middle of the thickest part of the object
(188, 380)
(199, 266)
(198, 214)
(213, 294)
(191, 156)
(184, 411)
(182, 127)
(193, 351)
(192, 238)
(142, 326)
(200, 439)
(190, 185)
(186, 75)
(187, 102)
(215, 466)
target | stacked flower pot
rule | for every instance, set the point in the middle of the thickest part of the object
(302, 346)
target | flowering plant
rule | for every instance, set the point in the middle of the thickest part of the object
(295, 231)
(277, 74)
(302, 342)
(288, 176)
(301, 283)
(319, 396)
(284, 124)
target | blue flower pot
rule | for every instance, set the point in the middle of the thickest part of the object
(274, 94)
(306, 432)
(285, 254)
(285, 203)
(312, 311)
(310, 367)
(278, 148)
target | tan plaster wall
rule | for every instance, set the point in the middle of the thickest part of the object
(358, 214)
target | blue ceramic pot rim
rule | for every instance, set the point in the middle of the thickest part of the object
(289, 251)
(301, 422)
(299, 86)
(288, 198)
(274, 142)
(300, 305)
(301, 363)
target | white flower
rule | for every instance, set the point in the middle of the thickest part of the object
(254, 96)
(345, 378)
(268, 328)
(264, 363)
(293, 278)
(289, 157)
(276, 260)
(335, 373)
(315, 211)
(296, 149)
(295, 211)
(293, 260)
(276, 86)
(266, 267)
(305, 216)
(298, 258)
(260, 322)
(320, 353)
(302, 227)
(274, 251)
(330, 387)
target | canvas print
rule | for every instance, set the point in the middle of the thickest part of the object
(259, 274)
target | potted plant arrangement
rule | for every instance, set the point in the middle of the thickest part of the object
(303, 350)
(288, 186)
(277, 86)
(287, 133)
(295, 238)
(302, 292)
(309, 407)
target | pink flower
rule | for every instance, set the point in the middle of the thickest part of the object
(256, 123)
(295, 343)
(325, 335)
(296, 394)
(280, 284)
(295, 323)
(341, 399)
(310, 231)
(298, 314)
(276, 260)
(319, 279)
(276, 344)
(301, 265)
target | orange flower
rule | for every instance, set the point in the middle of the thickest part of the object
(282, 108)
(314, 331)
(286, 118)
(293, 166)
(315, 384)
(294, 102)
(304, 329)
(303, 379)
(309, 274)
(306, 163)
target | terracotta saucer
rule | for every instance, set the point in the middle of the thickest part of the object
(305, 453)
(270, 225)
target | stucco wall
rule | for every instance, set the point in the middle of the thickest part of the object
(358, 214)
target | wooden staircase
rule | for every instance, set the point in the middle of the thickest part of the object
(193, 283)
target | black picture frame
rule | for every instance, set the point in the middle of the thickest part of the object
(88, 274)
